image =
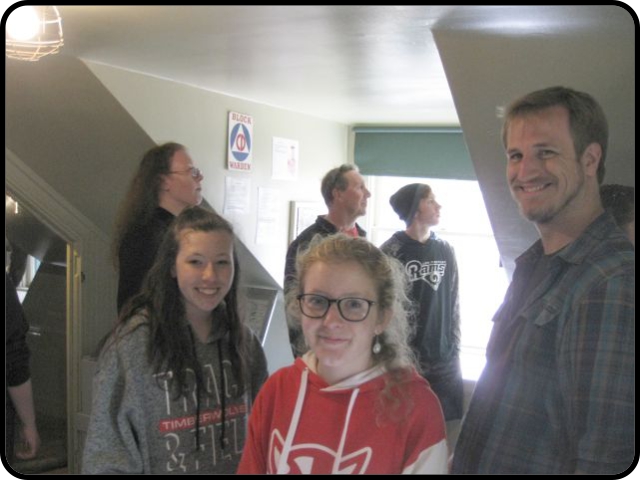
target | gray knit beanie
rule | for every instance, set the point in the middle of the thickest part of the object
(406, 200)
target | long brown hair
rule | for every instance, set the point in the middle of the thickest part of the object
(142, 197)
(160, 300)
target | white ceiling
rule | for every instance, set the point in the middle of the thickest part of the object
(351, 64)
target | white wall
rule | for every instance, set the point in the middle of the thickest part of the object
(197, 118)
(168, 111)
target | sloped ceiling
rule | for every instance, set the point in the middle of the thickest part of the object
(349, 63)
(487, 69)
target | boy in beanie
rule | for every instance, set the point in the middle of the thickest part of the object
(431, 267)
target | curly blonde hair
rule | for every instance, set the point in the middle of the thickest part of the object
(391, 287)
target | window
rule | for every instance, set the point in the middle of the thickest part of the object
(464, 223)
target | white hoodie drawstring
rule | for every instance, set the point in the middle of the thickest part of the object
(343, 438)
(295, 419)
(293, 427)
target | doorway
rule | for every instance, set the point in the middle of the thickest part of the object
(40, 257)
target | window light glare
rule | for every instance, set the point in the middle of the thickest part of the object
(23, 23)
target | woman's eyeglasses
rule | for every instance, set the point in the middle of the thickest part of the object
(193, 171)
(352, 309)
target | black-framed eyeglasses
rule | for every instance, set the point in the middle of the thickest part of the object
(193, 171)
(352, 309)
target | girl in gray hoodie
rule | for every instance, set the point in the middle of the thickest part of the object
(177, 378)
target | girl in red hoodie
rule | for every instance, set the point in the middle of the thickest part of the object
(354, 402)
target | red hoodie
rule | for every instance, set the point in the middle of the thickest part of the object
(300, 424)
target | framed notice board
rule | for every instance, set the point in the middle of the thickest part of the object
(302, 215)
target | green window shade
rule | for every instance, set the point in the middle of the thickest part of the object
(413, 152)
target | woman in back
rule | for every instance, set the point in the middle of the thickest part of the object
(165, 183)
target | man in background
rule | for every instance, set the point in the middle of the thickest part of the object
(345, 194)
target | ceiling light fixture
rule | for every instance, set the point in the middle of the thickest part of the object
(33, 32)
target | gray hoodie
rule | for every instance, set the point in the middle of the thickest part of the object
(137, 425)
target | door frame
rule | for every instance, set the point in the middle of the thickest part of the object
(89, 303)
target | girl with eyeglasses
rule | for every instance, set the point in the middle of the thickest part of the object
(354, 403)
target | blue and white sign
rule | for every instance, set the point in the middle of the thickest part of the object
(240, 141)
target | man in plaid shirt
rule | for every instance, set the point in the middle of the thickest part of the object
(558, 390)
